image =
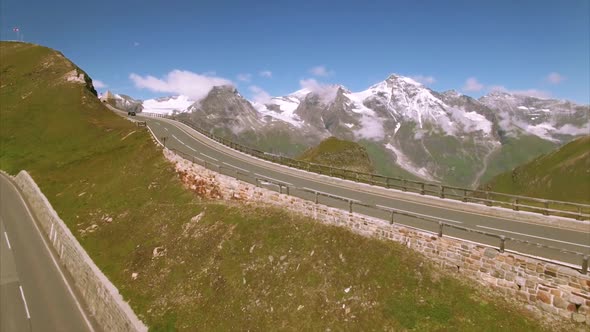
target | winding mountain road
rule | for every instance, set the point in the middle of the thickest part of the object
(35, 295)
(520, 225)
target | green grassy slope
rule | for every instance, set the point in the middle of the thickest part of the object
(560, 175)
(516, 152)
(238, 267)
(339, 153)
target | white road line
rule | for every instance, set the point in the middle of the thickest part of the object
(269, 178)
(332, 195)
(190, 148)
(53, 258)
(537, 237)
(241, 169)
(22, 294)
(419, 214)
(204, 155)
(165, 128)
(7, 241)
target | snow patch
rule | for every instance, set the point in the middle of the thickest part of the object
(406, 164)
(287, 111)
(167, 105)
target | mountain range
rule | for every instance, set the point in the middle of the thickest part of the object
(408, 129)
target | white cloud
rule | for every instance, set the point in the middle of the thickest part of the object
(371, 128)
(136, 44)
(554, 78)
(259, 95)
(471, 84)
(326, 92)
(320, 71)
(424, 79)
(99, 84)
(527, 92)
(244, 77)
(266, 73)
(180, 82)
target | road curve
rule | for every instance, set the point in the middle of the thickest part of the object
(35, 294)
(187, 140)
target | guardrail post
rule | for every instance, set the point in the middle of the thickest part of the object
(440, 229)
(502, 243)
(404, 187)
(488, 202)
(280, 189)
(350, 206)
(387, 183)
(256, 180)
(464, 195)
(316, 197)
(287, 188)
(580, 213)
(546, 212)
(515, 208)
(422, 189)
(391, 221)
(585, 265)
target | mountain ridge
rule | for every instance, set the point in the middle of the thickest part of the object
(438, 136)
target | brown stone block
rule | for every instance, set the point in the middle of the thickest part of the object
(559, 302)
(556, 292)
(544, 297)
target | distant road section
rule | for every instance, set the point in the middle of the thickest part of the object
(35, 294)
(190, 142)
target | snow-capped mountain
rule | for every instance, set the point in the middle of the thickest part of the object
(549, 119)
(408, 129)
(167, 105)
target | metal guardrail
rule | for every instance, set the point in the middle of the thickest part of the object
(489, 198)
(288, 189)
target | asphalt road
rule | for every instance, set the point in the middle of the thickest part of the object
(182, 138)
(34, 292)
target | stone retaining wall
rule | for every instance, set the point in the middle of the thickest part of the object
(102, 298)
(554, 291)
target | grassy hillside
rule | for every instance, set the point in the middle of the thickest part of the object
(560, 175)
(234, 266)
(516, 152)
(339, 153)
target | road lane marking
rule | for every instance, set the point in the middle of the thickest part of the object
(269, 178)
(52, 257)
(165, 128)
(204, 155)
(538, 237)
(418, 214)
(7, 241)
(332, 195)
(241, 169)
(154, 136)
(22, 294)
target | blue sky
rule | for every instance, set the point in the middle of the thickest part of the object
(275, 47)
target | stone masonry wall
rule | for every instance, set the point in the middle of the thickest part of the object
(102, 298)
(549, 290)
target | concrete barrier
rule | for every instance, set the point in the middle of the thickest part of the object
(102, 298)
